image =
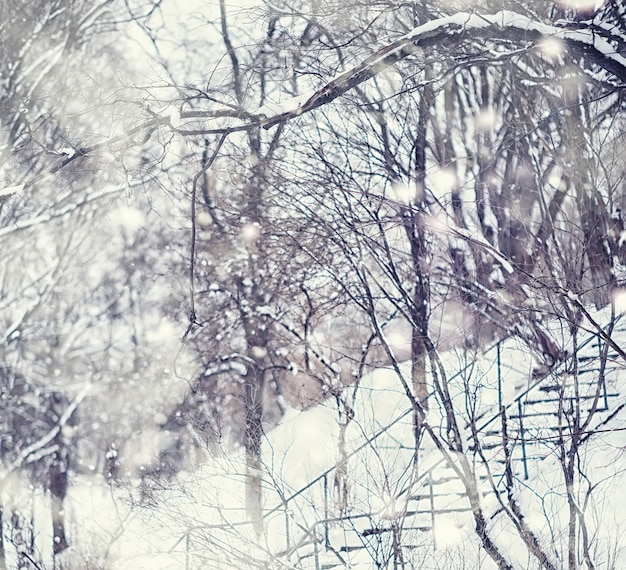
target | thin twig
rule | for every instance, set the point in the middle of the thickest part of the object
(192, 264)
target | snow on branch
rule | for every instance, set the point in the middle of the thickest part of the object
(504, 25)
(441, 227)
(26, 453)
(592, 39)
(47, 216)
(6, 193)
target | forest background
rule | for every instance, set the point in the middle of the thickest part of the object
(215, 214)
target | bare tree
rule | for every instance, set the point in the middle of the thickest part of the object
(346, 186)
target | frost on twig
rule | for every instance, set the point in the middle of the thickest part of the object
(504, 25)
(9, 191)
(42, 442)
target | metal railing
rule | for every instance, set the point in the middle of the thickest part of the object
(524, 431)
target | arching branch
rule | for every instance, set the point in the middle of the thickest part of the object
(504, 26)
(590, 39)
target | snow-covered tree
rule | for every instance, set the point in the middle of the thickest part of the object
(330, 187)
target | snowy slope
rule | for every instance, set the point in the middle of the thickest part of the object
(314, 507)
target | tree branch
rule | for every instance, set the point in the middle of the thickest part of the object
(505, 25)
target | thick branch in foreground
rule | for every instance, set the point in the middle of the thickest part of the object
(504, 26)
(588, 39)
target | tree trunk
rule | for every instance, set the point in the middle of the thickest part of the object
(3, 562)
(58, 491)
(253, 404)
(418, 368)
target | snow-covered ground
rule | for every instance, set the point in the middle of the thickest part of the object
(199, 521)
